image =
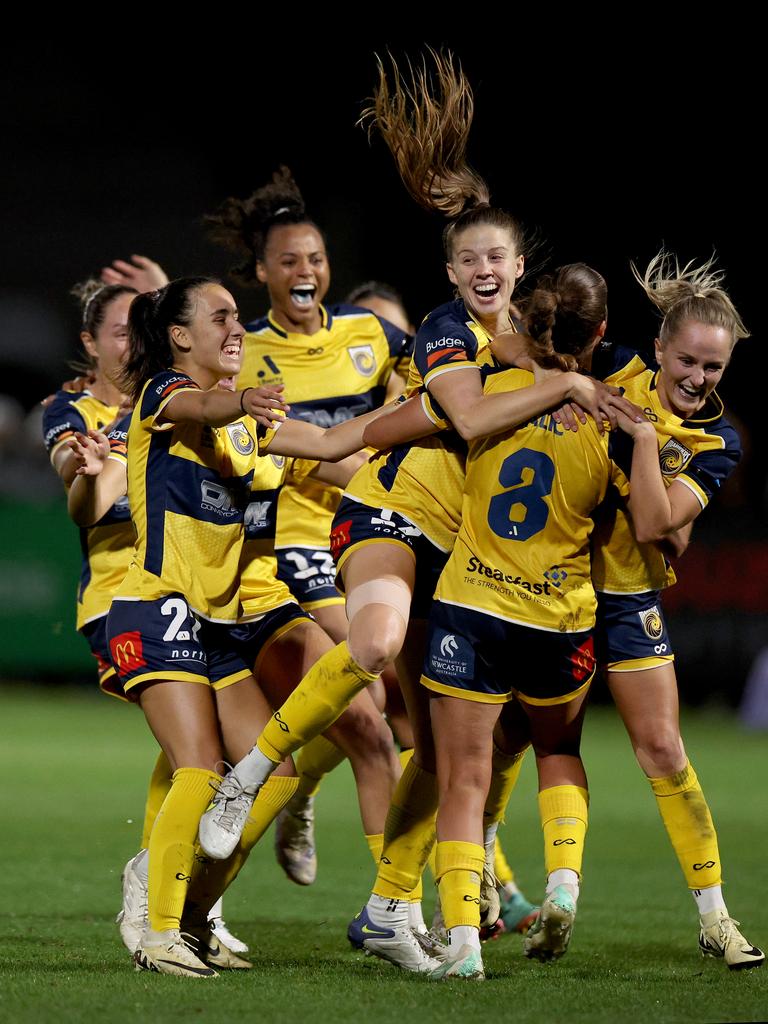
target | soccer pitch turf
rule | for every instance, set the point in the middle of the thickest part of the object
(76, 764)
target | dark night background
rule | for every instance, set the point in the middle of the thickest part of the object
(606, 144)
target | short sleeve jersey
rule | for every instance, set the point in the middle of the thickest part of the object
(522, 551)
(108, 545)
(700, 453)
(331, 376)
(189, 486)
(424, 479)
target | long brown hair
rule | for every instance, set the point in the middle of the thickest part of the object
(425, 120)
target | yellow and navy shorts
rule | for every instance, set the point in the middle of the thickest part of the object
(252, 639)
(165, 640)
(356, 525)
(95, 632)
(310, 575)
(483, 658)
(631, 634)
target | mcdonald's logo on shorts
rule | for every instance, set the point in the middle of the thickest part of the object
(340, 537)
(583, 660)
(127, 652)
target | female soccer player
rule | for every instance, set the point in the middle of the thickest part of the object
(392, 538)
(167, 622)
(106, 545)
(683, 452)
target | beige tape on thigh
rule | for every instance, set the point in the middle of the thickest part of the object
(391, 592)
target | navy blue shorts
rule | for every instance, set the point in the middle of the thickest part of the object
(483, 658)
(630, 633)
(310, 575)
(164, 639)
(251, 639)
(95, 632)
(356, 525)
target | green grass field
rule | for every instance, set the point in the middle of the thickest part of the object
(75, 764)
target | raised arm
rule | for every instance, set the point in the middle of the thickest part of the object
(217, 407)
(99, 481)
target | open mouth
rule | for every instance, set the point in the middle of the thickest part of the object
(303, 294)
(486, 291)
(231, 350)
(694, 394)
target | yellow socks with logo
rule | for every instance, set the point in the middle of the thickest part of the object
(459, 869)
(564, 816)
(409, 834)
(686, 816)
(324, 692)
(172, 844)
(212, 878)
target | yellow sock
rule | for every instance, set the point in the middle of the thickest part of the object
(418, 893)
(405, 756)
(324, 692)
(686, 816)
(409, 834)
(504, 776)
(315, 760)
(172, 844)
(564, 816)
(502, 870)
(459, 867)
(212, 878)
(159, 785)
(376, 846)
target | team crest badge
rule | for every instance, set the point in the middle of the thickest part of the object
(278, 460)
(363, 359)
(652, 624)
(240, 438)
(673, 456)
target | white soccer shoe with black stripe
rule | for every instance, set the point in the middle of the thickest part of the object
(720, 937)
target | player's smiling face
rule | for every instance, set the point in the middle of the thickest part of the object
(692, 361)
(110, 344)
(296, 272)
(211, 346)
(485, 267)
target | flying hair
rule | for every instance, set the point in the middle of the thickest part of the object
(689, 292)
(425, 117)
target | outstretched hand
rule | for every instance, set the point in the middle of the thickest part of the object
(140, 273)
(266, 405)
(90, 452)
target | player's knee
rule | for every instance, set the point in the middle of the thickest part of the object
(661, 753)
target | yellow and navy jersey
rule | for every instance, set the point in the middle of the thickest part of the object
(339, 372)
(260, 589)
(424, 480)
(189, 486)
(522, 552)
(106, 546)
(699, 452)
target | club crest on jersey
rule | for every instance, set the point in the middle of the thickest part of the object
(652, 624)
(240, 438)
(673, 456)
(278, 460)
(363, 359)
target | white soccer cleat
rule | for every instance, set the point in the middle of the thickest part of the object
(133, 919)
(490, 901)
(431, 944)
(168, 953)
(397, 945)
(221, 931)
(222, 824)
(550, 934)
(295, 840)
(466, 963)
(720, 937)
